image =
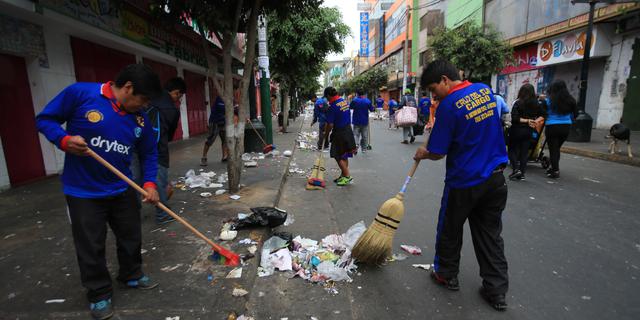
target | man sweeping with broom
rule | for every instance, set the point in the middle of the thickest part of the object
(469, 133)
(343, 143)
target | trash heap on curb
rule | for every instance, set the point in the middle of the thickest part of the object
(307, 140)
(321, 262)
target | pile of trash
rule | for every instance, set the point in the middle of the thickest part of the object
(203, 179)
(250, 160)
(307, 140)
(318, 262)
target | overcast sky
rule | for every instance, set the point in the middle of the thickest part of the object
(350, 16)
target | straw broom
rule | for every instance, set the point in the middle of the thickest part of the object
(316, 181)
(374, 246)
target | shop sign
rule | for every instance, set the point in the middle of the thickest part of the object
(523, 59)
(364, 34)
(570, 46)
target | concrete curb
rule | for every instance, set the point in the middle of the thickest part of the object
(602, 156)
(276, 202)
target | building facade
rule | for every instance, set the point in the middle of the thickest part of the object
(47, 45)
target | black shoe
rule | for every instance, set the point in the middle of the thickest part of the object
(143, 283)
(413, 138)
(549, 170)
(554, 174)
(405, 142)
(496, 301)
(164, 220)
(521, 177)
(451, 283)
(516, 175)
(101, 310)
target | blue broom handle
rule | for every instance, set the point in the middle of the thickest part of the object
(413, 169)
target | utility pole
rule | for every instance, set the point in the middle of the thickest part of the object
(265, 87)
(405, 54)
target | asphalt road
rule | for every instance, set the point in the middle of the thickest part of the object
(572, 244)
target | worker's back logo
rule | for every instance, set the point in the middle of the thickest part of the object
(138, 132)
(94, 116)
(140, 120)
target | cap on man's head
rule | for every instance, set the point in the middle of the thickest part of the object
(407, 91)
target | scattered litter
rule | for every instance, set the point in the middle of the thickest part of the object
(205, 194)
(591, 180)
(215, 185)
(289, 220)
(169, 269)
(171, 234)
(55, 301)
(209, 277)
(281, 260)
(247, 241)
(287, 153)
(11, 295)
(532, 198)
(172, 318)
(239, 292)
(423, 266)
(143, 251)
(234, 197)
(251, 164)
(228, 235)
(9, 236)
(235, 273)
(242, 215)
(411, 249)
(252, 249)
(398, 257)
(586, 298)
(220, 192)
(261, 217)
(243, 317)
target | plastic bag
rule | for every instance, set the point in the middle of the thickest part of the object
(262, 217)
(353, 234)
(332, 272)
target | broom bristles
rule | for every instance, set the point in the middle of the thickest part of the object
(374, 246)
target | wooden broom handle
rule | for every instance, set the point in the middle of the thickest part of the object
(159, 204)
(413, 169)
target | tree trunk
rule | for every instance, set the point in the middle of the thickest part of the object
(285, 109)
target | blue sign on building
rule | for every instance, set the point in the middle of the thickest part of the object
(364, 34)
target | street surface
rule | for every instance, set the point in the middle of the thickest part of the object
(572, 244)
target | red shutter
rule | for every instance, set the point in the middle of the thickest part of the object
(96, 63)
(196, 110)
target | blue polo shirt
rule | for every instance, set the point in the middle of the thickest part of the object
(320, 111)
(379, 103)
(91, 111)
(469, 132)
(392, 104)
(217, 112)
(339, 114)
(361, 107)
(424, 105)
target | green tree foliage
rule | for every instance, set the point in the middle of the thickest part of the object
(368, 81)
(478, 52)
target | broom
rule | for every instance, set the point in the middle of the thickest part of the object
(231, 259)
(266, 147)
(316, 181)
(374, 246)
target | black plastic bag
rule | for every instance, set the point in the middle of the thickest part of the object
(261, 217)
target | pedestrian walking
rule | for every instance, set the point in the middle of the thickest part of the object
(560, 106)
(393, 107)
(216, 128)
(320, 108)
(361, 107)
(424, 108)
(526, 114)
(468, 133)
(108, 119)
(408, 100)
(379, 107)
(343, 144)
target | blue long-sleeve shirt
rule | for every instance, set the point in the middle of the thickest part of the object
(217, 112)
(90, 111)
(361, 107)
(320, 108)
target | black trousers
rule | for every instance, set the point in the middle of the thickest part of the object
(322, 144)
(556, 135)
(89, 219)
(519, 142)
(482, 205)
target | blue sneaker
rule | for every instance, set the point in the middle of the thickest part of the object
(101, 310)
(143, 283)
(164, 220)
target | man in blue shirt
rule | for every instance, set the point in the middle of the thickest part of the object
(393, 107)
(468, 132)
(423, 108)
(216, 128)
(108, 119)
(320, 108)
(379, 107)
(361, 107)
(343, 144)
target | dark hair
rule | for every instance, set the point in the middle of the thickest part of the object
(330, 92)
(359, 92)
(379, 96)
(527, 96)
(176, 83)
(144, 80)
(434, 71)
(561, 100)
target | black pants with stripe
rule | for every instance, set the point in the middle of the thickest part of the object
(89, 219)
(482, 205)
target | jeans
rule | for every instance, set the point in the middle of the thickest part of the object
(392, 120)
(162, 181)
(406, 133)
(361, 135)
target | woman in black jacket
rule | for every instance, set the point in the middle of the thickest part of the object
(526, 113)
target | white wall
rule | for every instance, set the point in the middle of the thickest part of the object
(4, 173)
(616, 72)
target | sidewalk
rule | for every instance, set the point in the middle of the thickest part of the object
(38, 263)
(598, 148)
